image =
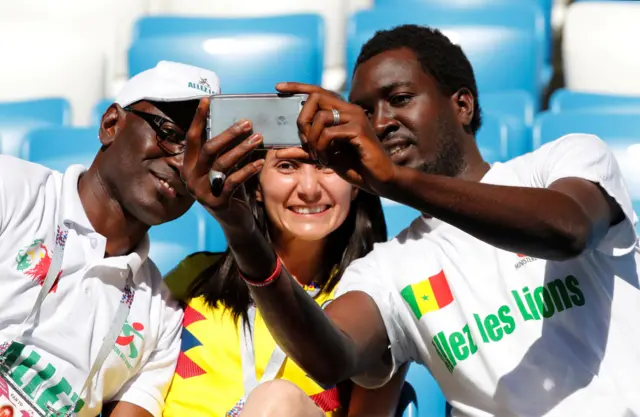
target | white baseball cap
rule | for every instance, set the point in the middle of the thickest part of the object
(169, 81)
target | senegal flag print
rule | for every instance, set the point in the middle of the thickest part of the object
(429, 295)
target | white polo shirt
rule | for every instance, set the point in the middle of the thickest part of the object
(76, 315)
(508, 334)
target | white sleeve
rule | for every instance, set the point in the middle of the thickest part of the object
(589, 157)
(366, 276)
(148, 388)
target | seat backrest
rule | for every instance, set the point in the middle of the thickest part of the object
(501, 40)
(333, 12)
(545, 6)
(397, 216)
(18, 117)
(621, 131)
(59, 147)
(567, 100)
(598, 38)
(493, 139)
(250, 55)
(172, 242)
(104, 24)
(49, 61)
(421, 396)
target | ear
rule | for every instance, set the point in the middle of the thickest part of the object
(354, 192)
(259, 197)
(464, 106)
(111, 124)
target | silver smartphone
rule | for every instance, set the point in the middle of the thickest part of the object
(273, 115)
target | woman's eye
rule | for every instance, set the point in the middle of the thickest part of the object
(285, 166)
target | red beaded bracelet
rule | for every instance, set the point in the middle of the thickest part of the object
(273, 278)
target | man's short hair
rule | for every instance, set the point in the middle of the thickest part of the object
(438, 56)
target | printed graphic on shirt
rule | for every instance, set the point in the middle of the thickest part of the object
(34, 261)
(542, 303)
(49, 392)
(525, 259)
(429, 295)
(128, 337)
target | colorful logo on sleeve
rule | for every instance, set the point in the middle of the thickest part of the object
(34, 260)
(131, 333)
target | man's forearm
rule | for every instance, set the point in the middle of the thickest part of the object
(536, 221)
(295, 320)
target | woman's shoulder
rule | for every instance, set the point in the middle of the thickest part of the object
(180, 278)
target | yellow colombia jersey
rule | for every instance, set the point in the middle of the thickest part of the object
(208, 378)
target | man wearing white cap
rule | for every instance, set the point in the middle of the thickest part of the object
(86, 322)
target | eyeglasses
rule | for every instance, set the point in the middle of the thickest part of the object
(171, 140)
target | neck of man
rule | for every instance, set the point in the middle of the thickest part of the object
(475, 167)
(302, 259)
(108, 217)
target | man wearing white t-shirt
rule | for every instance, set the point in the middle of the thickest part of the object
(518, 288)
(106, 337)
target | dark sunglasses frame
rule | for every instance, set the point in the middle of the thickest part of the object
(155, 122)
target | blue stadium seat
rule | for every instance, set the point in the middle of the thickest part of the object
(215, 239)
(545, 6)
(250, 55)
(397, 216)
(99, 109)
(567, 100)
(172, 242)
(516, 108)
(59, 147)
(620, 130)
(18, 117)
(493, 139)
(502, 41)
(421, 395)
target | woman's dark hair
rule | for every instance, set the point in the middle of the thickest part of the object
(220, 284)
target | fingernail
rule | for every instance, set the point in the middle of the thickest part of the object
(244, 124)
(259, 163)
(255, 138)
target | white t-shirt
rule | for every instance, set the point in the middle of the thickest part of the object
(76, 315)
(507, 334)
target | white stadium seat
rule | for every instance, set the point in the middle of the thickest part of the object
(105, 25)
(600, 47)
(40, 60)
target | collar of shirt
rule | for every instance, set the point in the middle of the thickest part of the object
(73, 211)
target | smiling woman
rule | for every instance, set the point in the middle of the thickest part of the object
(318, 224)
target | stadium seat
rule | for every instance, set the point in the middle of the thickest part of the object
(215, 239)
(172, 242)
(516, 108)
(502, 41)
(48, 61)
(105, 25)
(334, 13)
(397, 216)
(493, 139)
(545, 7)
(18, 117)
(250, 55)
(598, 38)
(421, 395)
(620, 130)
(59, 147)
(567, 100)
